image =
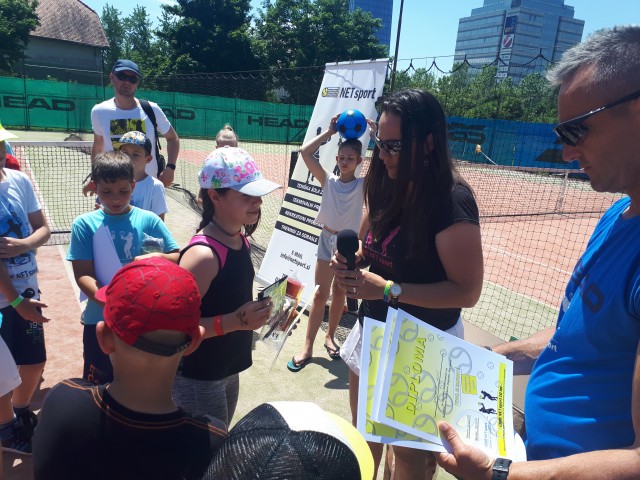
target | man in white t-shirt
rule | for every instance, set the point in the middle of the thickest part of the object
(123, 113)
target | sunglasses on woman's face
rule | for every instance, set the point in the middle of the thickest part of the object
(392, 147)
(572, 131)
(123, 77)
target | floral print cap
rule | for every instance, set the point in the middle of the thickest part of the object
(232, 167)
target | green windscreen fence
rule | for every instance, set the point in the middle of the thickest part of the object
(42, 104)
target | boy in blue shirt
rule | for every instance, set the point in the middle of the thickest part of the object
(134, 233)
(149, 192)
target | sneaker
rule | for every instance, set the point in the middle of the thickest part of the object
(20, 442)
(29, 420)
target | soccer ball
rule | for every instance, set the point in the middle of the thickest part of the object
(351, 124)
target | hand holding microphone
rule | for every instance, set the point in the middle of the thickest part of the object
(348, 244)
(355, 282)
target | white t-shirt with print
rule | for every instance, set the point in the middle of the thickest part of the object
(111, 122)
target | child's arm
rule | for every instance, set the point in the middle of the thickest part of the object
(204, 266)
(308, 149)
(12, 247)
(85, 275)
(172, 256)
(27, 308)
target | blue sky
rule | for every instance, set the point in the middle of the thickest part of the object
(429, 27)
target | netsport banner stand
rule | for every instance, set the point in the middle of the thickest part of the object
(293, 244)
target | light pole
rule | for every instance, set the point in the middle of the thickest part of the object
(395, 57)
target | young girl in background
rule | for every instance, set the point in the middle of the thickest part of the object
(226, 137)
(218, 256)
(341, 207)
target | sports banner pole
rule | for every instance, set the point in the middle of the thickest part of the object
(293, 244)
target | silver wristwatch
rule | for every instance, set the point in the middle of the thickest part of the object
(394, 293)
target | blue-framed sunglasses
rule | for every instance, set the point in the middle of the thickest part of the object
(570, 132)
(392, 147)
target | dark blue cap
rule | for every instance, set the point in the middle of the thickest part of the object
(122, 65)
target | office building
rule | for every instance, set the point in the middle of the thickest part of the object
(382, 9)
(517, 31)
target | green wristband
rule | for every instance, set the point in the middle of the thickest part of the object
(17, 301)
(387, 288)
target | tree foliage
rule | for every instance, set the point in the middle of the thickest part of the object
(472, 94)
(114, 30)
(300, 34)
(210, 35)
(134, 37)
(17, 19)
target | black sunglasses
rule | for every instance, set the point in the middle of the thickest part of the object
(123, 77)
(392, 147)
(572, 131)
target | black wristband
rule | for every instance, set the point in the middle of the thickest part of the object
(501, 469)
(172, 166)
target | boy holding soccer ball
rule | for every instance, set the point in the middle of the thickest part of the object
(341, 208)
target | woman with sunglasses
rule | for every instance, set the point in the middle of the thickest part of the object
(422, 242)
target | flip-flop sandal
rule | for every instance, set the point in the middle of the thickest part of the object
(296, 367)
(334, 353)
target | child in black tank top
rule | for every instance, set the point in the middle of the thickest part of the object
(218, 256)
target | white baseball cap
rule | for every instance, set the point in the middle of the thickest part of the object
(233, 167)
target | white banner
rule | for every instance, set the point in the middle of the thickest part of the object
(293, 245)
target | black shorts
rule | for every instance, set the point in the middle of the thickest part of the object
(25, 339)
(97, 364)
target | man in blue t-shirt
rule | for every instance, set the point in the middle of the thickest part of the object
(583, 397)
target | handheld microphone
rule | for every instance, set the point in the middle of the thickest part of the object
(348, 244)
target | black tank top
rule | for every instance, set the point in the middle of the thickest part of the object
(220, 357)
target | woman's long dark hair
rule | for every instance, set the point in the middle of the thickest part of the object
(423, 177)
(208, 210)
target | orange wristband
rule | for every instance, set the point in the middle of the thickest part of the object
(217, 325)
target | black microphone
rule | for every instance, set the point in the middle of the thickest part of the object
(348, 244)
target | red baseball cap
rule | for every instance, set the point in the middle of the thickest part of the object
(151, 294)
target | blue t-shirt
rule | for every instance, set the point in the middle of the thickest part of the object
(135, 233)
(579, 393)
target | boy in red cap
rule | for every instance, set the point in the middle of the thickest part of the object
(131, 428)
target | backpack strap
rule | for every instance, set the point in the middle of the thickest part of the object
(146, 106)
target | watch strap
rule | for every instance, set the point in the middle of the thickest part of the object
(385, 293)
(172, 166)
(501, 468)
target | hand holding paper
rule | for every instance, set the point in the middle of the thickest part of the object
(464, 461)
(426, 376)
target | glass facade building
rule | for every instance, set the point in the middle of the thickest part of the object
(382, 9)
(516, 32)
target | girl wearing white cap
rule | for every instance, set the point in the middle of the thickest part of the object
(218, 255)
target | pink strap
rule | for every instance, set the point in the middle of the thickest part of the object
(217, 247)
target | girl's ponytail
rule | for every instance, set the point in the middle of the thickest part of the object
(207, 208)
